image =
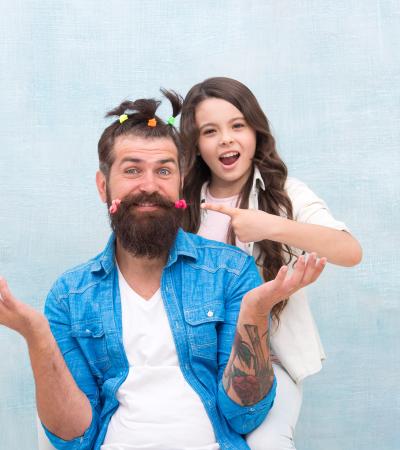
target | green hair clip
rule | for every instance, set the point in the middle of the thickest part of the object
(171, 120)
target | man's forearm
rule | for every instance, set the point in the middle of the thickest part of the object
(248, 375)
(62, 406)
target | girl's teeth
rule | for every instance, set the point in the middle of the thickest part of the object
(228, 155)
(229, 158)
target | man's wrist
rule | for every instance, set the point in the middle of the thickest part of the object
(254, 308)
(38, 334)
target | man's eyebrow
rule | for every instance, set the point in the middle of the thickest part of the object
(140, 160)
(130, 159)
(168, 160)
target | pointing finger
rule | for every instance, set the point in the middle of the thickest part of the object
(220, 208)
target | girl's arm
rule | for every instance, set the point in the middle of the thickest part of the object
(252, 225)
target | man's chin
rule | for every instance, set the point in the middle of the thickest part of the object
(139, 215)
(146, 228)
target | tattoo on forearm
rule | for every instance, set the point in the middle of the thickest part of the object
(249, 372)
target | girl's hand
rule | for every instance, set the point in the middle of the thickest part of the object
(249, 225)
(19, 316)
(260, 300)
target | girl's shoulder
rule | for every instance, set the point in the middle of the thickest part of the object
(302, 197)
(294, 184)
(298, 190)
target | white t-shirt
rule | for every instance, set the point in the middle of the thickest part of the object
(158, 409)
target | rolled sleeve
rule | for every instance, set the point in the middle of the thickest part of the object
(82, 442)
(244, 419)
(57, 313)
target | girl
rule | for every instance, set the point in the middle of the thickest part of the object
(240, 193)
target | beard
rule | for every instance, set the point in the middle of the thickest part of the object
(148, 234)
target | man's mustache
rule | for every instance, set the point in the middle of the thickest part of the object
(145, 199)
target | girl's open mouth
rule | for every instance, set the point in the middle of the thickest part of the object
(229, 158)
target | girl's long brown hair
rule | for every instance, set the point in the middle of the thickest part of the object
(273, 199)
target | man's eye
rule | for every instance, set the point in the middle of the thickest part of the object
(132, 171)
(164, 171)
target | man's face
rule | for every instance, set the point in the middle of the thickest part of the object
(145, 177)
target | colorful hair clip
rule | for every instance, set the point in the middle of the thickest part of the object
(122, 118)
(181, 204)
(152, 122)
(114, 206)
(171, 120)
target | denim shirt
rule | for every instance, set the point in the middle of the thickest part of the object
(202, 286)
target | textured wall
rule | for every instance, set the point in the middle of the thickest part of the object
(326, 73)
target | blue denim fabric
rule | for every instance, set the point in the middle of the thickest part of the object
(202, 286)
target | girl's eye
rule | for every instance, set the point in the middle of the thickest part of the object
(238, 125)
(209, 131)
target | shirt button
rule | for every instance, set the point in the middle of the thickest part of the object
(210, 313)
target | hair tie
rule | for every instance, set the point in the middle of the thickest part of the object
(180, 204)
(114, 205)
(122, 118)
(152, 122)
(171, 120)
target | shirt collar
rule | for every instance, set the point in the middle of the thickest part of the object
(183, 246)
(106, 260)
(258, 182)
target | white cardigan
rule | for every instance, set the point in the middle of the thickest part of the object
(295, 341)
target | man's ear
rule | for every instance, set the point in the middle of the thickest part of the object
(101, 183)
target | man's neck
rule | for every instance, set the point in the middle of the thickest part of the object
(141, 273)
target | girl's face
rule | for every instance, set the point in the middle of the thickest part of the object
(227, 145)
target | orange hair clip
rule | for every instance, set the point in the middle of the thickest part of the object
(152, 122)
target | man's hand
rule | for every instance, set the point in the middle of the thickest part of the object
(19, 316)
(262, 299)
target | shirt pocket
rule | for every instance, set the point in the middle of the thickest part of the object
(202, 328)
(92, 341)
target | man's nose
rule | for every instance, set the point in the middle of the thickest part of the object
(148, 184)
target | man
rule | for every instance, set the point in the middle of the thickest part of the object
(161, 341)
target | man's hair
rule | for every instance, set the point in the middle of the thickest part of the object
(138, 114)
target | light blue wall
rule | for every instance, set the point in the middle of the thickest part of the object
(327, 74)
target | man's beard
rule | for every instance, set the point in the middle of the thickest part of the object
(146, 233)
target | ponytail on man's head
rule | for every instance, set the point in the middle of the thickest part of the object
(139, 118)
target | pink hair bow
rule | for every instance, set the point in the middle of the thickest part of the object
(114, 206)
(181, 204)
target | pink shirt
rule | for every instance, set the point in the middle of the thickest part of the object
(215, 225)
